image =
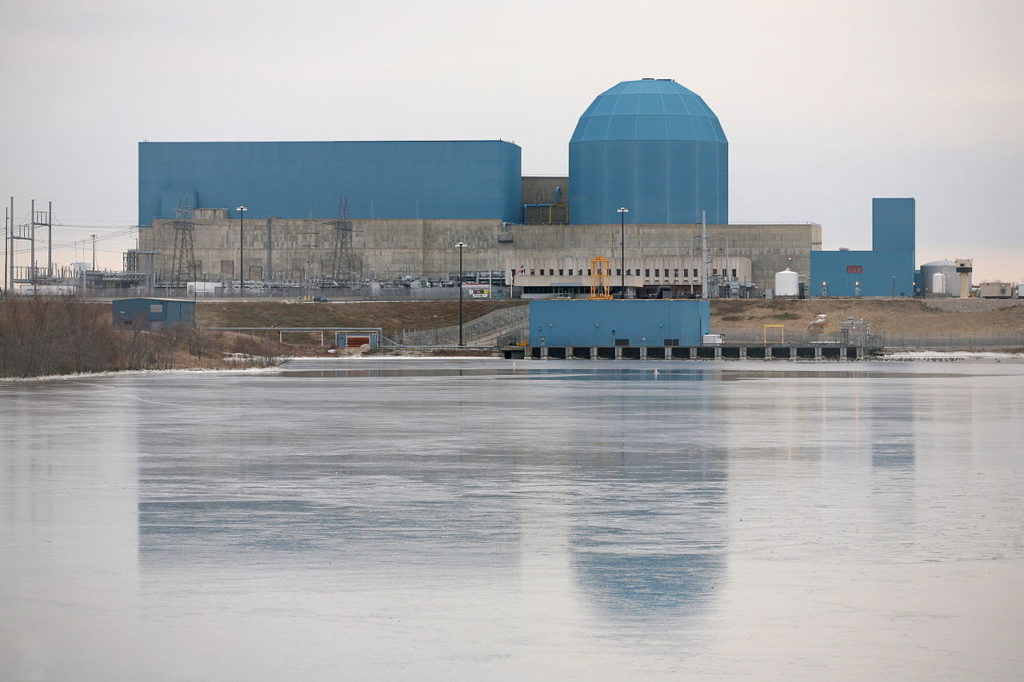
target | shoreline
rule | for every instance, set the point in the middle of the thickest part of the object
(898, 356)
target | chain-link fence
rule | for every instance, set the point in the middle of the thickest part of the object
(957, 342)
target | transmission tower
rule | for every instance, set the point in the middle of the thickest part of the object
(344, 267)
(183, 263)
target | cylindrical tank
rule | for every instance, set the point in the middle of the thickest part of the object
(940, 286)
(787, 283)
(653, 147)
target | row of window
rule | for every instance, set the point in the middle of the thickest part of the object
(618, 271)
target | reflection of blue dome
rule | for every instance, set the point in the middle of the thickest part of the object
(651, 146)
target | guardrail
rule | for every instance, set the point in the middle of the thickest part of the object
(485, 330)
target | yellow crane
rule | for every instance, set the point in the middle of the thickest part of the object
(600, 276)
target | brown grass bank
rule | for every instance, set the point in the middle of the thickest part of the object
(43, 336)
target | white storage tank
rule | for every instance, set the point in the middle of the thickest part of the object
(934, 285)
(787, 283)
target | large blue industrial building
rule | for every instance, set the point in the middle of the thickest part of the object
(650, 146)
(653, 147)
(379, 180)
(886, 270)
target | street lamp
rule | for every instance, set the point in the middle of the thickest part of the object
(460, 246)
(622, 250)
(241, 241)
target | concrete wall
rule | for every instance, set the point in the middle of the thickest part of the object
(289, 249)
(539, 189)
(771, 248)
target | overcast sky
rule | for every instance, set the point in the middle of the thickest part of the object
(825, 104)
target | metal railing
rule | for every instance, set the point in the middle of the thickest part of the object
(485, 330)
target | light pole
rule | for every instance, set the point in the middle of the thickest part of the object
(622, 250)
(460, 246)
(241, 249)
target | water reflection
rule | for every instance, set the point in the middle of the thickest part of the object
(648, 532)
(522, 526)
(285, 475)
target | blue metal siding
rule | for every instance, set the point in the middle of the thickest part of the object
(653, 147)
(660, 182)
(385, 180)
(139, 313)
(885, 273)
(892, 224)
(887, 270)
(600, 323)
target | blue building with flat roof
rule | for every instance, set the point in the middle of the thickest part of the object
(151, 313)
(469, 179)
(636, 323)
(886, 270)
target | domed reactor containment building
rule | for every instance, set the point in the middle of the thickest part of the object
(653, 147)
(354, 212)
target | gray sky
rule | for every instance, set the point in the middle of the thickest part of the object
(825, 104)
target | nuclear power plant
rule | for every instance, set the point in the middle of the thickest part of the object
(647, 191)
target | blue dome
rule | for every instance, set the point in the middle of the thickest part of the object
(649, 109)
(653, 147)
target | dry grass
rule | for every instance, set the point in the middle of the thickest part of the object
(905, 317)
(392, 317)
(43, 336)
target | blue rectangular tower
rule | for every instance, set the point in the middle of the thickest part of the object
(893, 224)
(886, 270)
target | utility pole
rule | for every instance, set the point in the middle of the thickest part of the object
(11, 280)
(705, 261)
(460, 246)
(6, 218)
(241, 249)
(93, 252)
(622, 251)
(49, 239)
(32, 248)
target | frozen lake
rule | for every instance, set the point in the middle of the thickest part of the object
(479, 519)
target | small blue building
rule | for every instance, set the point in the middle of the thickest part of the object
(632, 323)
(152, 313)
(886, 270)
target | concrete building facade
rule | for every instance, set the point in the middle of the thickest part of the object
(280, 249)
